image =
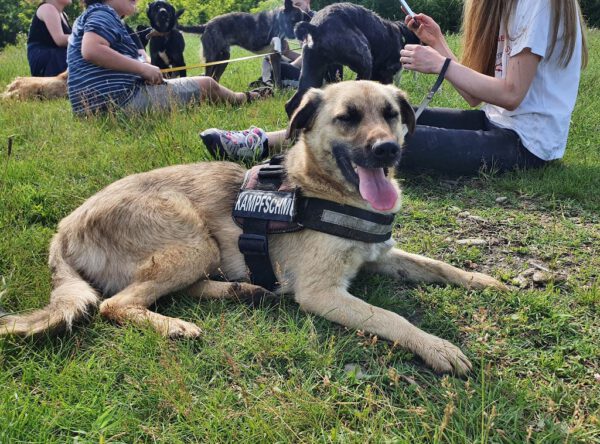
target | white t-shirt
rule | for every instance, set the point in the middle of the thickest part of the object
(543, 117)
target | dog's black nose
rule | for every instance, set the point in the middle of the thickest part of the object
(385, 150)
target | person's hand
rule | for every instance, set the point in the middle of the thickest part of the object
(144, 57)
(427, 29)
(151, 74)
(423, 59)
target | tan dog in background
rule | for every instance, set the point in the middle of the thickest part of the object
(26, 88)
(171, 229)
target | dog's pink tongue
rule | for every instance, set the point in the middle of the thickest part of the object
(376, 189)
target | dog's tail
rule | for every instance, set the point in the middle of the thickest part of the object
(304, 29)
(70, 300)
(192, 29)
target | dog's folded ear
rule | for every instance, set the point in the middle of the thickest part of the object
(305, 114)
(288, 5)
(406, 111)
(179, 13)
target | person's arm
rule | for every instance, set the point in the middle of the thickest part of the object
(52, 19)
(287, 52)
(97, 50)
(430, 33)
(506, 92)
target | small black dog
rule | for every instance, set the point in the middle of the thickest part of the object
(350, 35)
(253, 32)
(166, 41)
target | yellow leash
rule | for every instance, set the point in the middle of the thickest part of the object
(220, 62)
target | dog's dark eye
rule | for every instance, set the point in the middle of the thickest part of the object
(351, 117)
(390, 113)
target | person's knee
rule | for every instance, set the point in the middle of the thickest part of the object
(207, 83)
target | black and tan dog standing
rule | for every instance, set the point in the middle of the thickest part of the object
(166, 41)
(171, 229)
(253, 32)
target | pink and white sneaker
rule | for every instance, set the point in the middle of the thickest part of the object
(249, 144)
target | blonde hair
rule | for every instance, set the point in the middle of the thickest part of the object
(481, 27)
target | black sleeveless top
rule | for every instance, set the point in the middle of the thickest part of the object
(38, 32)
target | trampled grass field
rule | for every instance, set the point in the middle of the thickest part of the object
(275, 374)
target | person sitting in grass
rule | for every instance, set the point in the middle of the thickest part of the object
(47, 39)
(106, 71)
(522, 59)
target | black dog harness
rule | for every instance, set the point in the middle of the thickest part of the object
(266, 205)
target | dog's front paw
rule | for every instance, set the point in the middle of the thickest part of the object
(177, 328)
(443, 356)
(480, 281)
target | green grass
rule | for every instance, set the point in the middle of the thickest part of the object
(274, 374)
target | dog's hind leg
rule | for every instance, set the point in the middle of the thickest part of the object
(415, 268)
(186, 253)
(216, 71)
(166, 271)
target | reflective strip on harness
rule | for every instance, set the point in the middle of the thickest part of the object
(344, 221)
(354, 223)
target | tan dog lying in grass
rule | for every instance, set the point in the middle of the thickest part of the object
(25, 88)
(171, 229)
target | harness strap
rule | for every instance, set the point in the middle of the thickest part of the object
(438, 82)
(344, 221)
(254, 245)
(253, 242)
(316, 214)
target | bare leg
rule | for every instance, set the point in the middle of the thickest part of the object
(277, 141)
(214, 92)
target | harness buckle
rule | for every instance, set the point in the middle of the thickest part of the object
(253, 244)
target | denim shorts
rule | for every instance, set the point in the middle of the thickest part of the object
(172, 94)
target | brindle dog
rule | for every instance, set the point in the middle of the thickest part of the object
(253, 32)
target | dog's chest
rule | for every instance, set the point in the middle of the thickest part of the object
(308, 256)
(372, 252)
(164, 57)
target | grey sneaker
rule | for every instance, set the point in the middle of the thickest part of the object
(250, 144)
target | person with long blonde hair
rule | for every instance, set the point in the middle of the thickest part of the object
(522, 59)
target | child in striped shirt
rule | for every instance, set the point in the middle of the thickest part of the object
(105, 70)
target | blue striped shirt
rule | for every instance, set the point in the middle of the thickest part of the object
(91, 87)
